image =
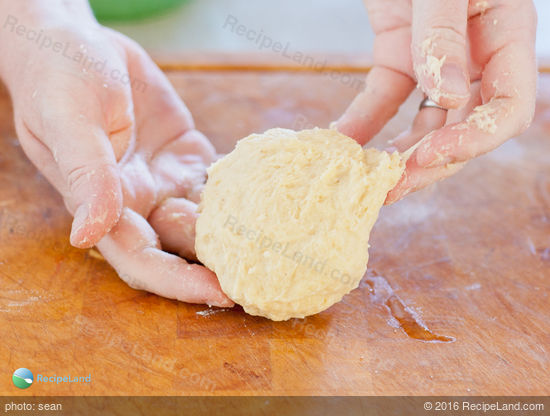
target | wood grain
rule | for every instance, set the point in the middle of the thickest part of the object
(469, 256)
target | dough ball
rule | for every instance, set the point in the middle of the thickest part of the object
(285, 219)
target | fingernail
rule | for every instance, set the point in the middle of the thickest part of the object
(423, 159)
(431, 160)
(392, 198)
(227, 303)
(390, 149)
(79, 221)
(424, 156)
(454, 80)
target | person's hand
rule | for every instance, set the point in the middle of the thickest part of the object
(475, 58)
(112, 136)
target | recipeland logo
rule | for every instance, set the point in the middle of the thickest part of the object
(23, 378)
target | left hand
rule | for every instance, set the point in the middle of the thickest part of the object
(476, 58)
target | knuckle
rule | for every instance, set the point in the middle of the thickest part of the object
(446, 28)
(132, 281)
(83, 174)
(77, 176)
(444, 36)
(464, 149)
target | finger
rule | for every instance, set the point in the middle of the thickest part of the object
(417, 177)
(429, 119)
(426, 120)
(180, 166)
(163, 115)
(460, 114)
(439, 50)
(174, 222)
(508, 90)
(133, 249)
(119, 117)
(39, 154)
(385, 91)
(88, 168)
(388, 83)
(195, 194)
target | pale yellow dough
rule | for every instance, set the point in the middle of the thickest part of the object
(285, 219)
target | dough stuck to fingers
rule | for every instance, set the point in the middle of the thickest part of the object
(285, 219)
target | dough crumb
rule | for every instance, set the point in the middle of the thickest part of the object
(484, 118)
(431, 68)
(482, 5)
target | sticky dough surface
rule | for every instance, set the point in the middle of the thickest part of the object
(285, 219)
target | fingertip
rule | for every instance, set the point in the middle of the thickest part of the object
(94, 219)
(79, 237)
(221, 300)
(389, 199)
(385, 90)
(87, 233)
(224, 303)
(210, 289)
(347, 126)
(174, 222)
(395, 195)
(407, 183)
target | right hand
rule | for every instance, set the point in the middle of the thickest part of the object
(125, 156)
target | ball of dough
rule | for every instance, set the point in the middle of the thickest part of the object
(285, 219)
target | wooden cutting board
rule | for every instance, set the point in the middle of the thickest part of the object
(469, 257)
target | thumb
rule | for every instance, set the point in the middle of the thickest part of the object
(439, 50)
(88, 167)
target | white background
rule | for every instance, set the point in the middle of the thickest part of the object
(311, 26)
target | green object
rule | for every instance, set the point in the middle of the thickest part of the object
(130, 9)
